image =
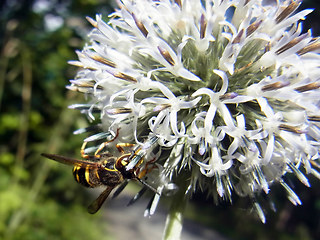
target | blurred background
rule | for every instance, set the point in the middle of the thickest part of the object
(39, 198)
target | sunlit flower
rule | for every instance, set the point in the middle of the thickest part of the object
(227, 91)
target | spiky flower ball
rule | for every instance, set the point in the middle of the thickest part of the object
(229, 88)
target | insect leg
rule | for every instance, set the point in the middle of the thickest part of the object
(120, 146)
(83, 154)
(104, 144)
(146, 169)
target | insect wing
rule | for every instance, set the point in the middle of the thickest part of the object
(96, 204)
(70, 161)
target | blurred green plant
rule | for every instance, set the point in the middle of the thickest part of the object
(35, 203)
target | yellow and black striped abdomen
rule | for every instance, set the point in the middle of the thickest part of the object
(94, 177)
(86, 176)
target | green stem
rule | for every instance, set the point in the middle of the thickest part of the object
(174, 221)
(173, 227)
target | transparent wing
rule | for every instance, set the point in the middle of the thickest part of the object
(70, 161)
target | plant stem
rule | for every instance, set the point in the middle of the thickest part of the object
(174, 221)
(173, 227)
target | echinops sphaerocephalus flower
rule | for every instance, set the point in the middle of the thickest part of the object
(228, 88)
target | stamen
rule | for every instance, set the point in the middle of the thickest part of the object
(140, 25)
(315, 164)
(166, 55)
(292, 196)
(259, 212)
(310, 48)
(103, 61)
(76, 64)
(288, 10)
(243, 68)
(161, 107)
(83, 83)
(291, 43)
(87, 129)
(253, 27)
(203, 26)
(82, 106)
(178, 2)
(92, 22)
(82, 55)
(299, 174)
(125, 77)
(119, 110)
(79, 89)
(314, 118)
(98, 136)
(137, 196)
(230, 95)
(120, 189)
(292, 129)
(274, 86)
(238, 37)
(308, 87)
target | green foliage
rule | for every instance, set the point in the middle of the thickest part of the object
(42, 222)
(39, 198)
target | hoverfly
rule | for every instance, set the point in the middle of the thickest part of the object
(103, 170)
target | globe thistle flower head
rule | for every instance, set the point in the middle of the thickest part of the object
(222, 96)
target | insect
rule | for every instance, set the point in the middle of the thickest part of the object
(103, 169)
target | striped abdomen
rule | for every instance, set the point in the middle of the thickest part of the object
(94, 177)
